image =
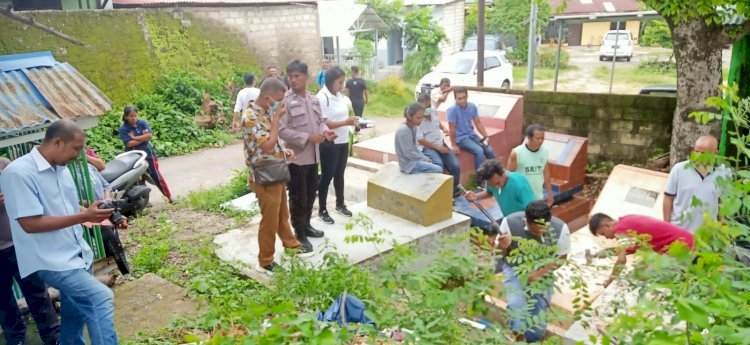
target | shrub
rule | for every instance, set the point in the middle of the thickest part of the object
(547, 57)
(170, 111)
(653, 65)
(391, 87)
(417, 64)
(657, 34)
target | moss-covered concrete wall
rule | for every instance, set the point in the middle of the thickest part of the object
(621, 128)
(126, 50)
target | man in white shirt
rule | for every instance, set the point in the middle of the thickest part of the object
(441, 94)
(697, 180)
(244, 97)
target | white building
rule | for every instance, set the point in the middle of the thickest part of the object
(450, 15)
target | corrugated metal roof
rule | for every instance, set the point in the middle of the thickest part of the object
(200, 3)
(31, 96)
(594, 6)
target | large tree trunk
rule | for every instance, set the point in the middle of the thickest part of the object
(697, 50)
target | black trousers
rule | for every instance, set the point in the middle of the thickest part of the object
(302, 188)
(359, 106)
(333, 159)
(35, 292)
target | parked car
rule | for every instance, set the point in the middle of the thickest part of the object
(461, 69)
(491, 42)
(622, 40)
(659, 90)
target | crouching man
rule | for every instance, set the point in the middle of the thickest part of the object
(534, 224)
(659, 234)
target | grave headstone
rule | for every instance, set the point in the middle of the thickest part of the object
(419, 198)
(631, 190)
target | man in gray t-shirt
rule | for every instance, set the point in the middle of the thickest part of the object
(686, 182)
(33, 288)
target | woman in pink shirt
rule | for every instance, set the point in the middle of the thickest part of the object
(659, 234)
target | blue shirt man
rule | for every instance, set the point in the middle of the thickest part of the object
(511, 190)
(462, 118)
(45, 217)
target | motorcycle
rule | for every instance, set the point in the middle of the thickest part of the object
(126, 175)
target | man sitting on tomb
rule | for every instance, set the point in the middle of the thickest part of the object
(659, 234)
(511, 190)
(694, 181)
(432, 140)
(462, 118)
(530, 160)
(528, 319)
(411, 160)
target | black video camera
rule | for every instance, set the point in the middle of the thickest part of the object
(116, 217)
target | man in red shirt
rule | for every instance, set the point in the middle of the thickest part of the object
(659, 234)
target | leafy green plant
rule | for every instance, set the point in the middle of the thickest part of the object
(656, 34)
(512, 16)
(389, 97)
(547, 58)
(422, 33)
(170, 112)
(653, 65)
(213, 199)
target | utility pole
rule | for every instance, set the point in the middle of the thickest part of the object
(480, 42)
(532, 47)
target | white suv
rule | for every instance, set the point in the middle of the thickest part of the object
(622, 40)
(461, 69)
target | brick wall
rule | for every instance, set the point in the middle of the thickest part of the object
(277, 34)
(621, 128)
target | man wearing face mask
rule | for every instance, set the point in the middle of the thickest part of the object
(260, 127)
(530, 160)
(303, 130)
(432, 138)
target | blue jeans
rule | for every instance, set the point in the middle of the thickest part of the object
(84, 301)
(426, 167)
(473, 145)
(518, 314)
(446, 161)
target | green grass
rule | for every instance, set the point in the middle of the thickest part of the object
(540, 73)
(635, 76)
(388, 98)
(211, 199)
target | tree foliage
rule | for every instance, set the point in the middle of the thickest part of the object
(423, 34)
(657, 34)
(512, 17)
(389, 11)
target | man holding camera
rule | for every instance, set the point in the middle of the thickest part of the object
(33, 288)
(45, 219)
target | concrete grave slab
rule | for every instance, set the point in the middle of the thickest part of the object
(631, 190)
(420, 198)
(240, 247)
(148, 303)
